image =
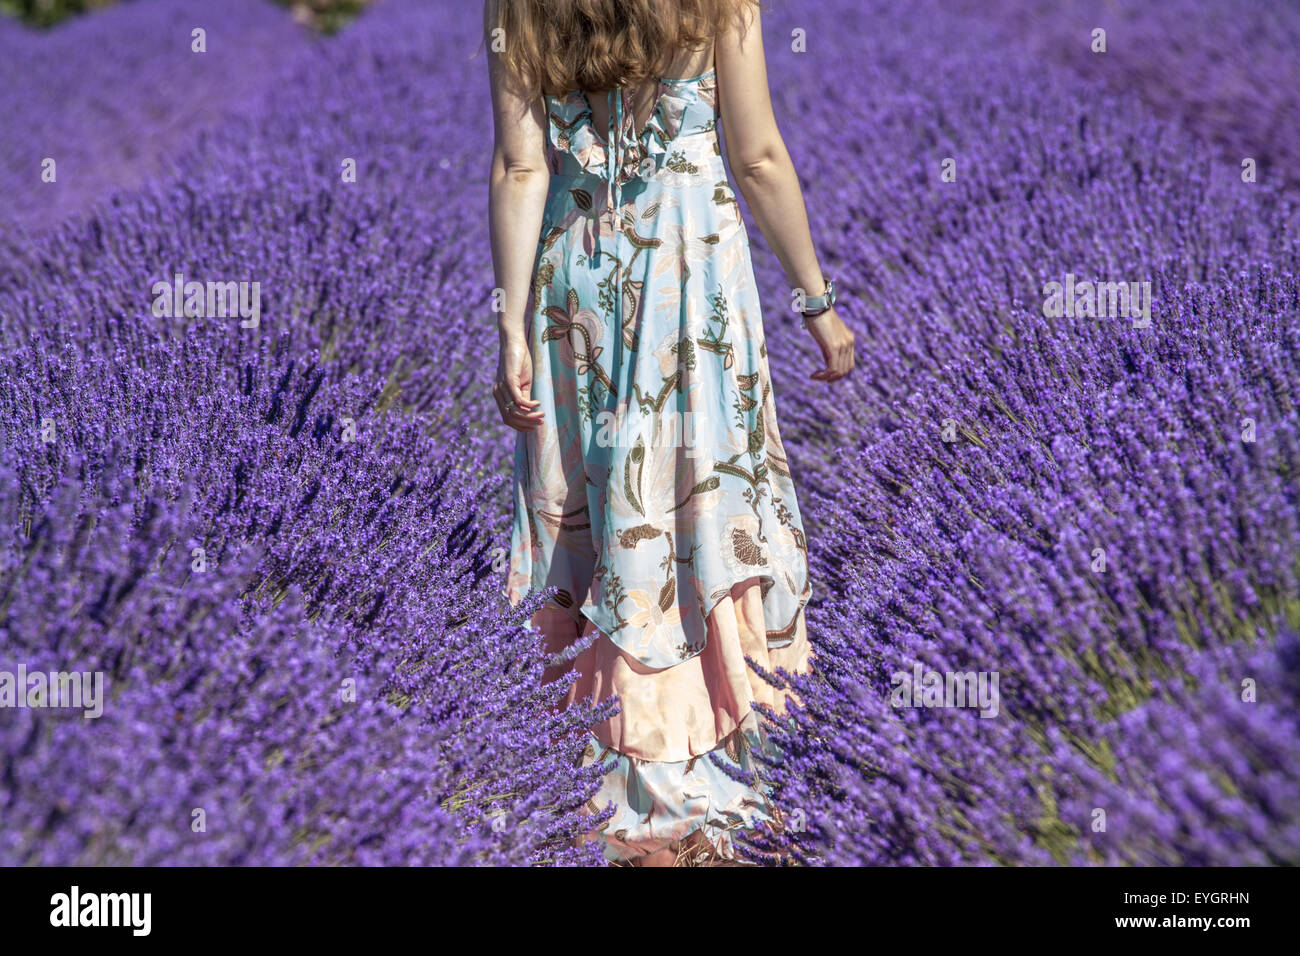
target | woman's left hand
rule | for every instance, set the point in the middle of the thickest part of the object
(514, 384)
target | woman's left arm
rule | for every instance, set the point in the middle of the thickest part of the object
(516, 198)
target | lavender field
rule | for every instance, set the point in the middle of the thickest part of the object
(280, 539)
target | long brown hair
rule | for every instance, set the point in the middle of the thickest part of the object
(555, 46)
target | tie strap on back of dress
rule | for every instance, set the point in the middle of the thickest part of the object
(622, 147)
(624, 151)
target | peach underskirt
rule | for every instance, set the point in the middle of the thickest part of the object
(685, 710)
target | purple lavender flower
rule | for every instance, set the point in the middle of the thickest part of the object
(278, 542)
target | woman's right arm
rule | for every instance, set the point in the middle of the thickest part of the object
(761, 167)
(517, 187)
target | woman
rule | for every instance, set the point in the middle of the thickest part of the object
(652, 489)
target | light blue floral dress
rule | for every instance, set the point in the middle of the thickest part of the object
(657, 496)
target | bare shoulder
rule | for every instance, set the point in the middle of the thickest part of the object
(743, 34)
(744, 98)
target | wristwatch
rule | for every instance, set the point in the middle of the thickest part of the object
(814, 305)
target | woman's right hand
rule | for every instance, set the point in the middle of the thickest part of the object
(836, 343)
(514, 382)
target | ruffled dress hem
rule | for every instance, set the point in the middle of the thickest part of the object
(659, 804)
(684, 711)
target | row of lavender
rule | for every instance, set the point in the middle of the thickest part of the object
(347, 522)
(1100, 511)
(273, 538)
(107, 101)
(1226, 70)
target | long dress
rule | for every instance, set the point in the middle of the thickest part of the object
(656, 496)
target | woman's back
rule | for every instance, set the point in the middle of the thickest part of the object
(686, 65)
(652, 488)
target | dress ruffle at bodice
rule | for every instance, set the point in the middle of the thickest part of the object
(682, 108)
